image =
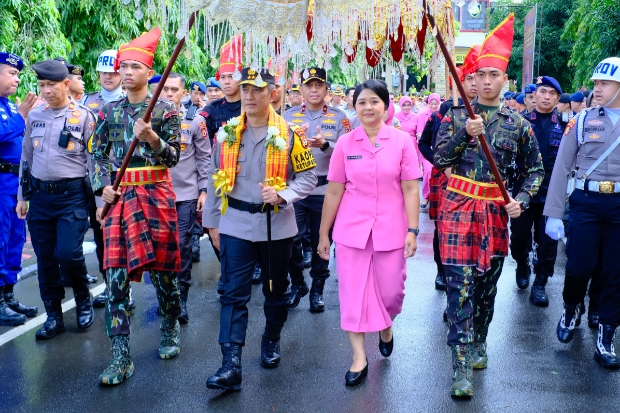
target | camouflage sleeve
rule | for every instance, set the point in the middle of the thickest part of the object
(99, 147)
(528, 152)
(452, 141)
(170, 136)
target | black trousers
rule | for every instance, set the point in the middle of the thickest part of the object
(57, 224)
(594, 222)
(436, 251)
(309, 210)
(187, 215)
(238, 258)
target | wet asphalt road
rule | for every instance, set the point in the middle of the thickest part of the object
(529, 370)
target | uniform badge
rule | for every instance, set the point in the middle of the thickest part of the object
(533, 116)
(203, 129)
(91, 126)
(5, 117)
(328, 134)
(328, 121)
(593, 136)
(35, 143)
(329, 115)
(76, 113)
(569, 126)
(509, 121)
(297, 121)
(595, 122)
(183, 146)
(183, 139)
(554, 118)
(184, 126)
(73, 121)
(70, 146)
(71, 106)
(93, 105)
(347, 125)
(298, 115)
(304, 142)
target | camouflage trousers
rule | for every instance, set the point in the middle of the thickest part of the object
(471, 301)
(116, 313)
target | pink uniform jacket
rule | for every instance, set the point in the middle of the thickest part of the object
(373, 200)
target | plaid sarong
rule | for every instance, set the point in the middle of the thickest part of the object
(141, 231)
(471, 231)
(437, 185)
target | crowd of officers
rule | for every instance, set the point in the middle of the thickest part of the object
(576, 135)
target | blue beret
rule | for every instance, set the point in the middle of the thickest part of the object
(565, 98)
(508, 95)
(53, 70)
(549, 82)
(577, 97)
(521, 99)
(213, 83)
(531, 88)
(198, 86)
(11, 60)
(155, 79)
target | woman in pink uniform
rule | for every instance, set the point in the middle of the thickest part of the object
(434, 100)
(372, 196)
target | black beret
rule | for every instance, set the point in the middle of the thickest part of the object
(73, 69)
(50, 70)
(565, 98)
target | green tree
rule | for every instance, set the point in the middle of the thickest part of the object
(594, 31)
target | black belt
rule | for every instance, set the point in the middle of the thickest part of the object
(57, 187)
(322, 181)
(12, 168)
(250, 207)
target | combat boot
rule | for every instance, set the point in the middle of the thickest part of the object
(11, 301)
(184, 316)
(195, 248)
(297, 293)
(479, 356)
(120, 367)
(8, 317)
(170, 345)
(54, 323)
(440, 281)
(538, 296)
(270, 352)
(461, 364)
(100, 300)
(605, 354)
(317, 304)
(228, 377)
(84, 310)
(593, 317)
(523, 274)
(571, 318)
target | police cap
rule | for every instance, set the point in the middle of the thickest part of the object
(295, 87)
(11, 60)
(259, 78)
(54, 70)
(548, 81)
(312, 73)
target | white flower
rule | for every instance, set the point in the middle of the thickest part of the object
(222, 135)
(280, 143)
(272, 131)
(233, 122)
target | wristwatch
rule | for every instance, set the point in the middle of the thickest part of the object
(325, 145)
(415, 231)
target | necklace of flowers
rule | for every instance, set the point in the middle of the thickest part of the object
(226, 133)
(274, 139)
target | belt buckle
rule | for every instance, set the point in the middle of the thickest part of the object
(50, 188)
(606, 187)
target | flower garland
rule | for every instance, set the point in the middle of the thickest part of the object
(226, 133)
(274, 139)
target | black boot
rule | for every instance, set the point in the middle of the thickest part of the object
(195, 248)
(256, 275)
(184, 316)
(593, 318)
(100, 300)
(228, 377)
(523, 274)
(297, 293)
(11, 301)
(605, 354)
(571, 318)
(92, 279)
(84, 310)
(537, 294)
(54, 323)
(269, 352)
(317, 305)
(307, 258)
(440, 281)
(8, 317)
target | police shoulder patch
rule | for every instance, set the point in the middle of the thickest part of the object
(347, 125)
(569, 126)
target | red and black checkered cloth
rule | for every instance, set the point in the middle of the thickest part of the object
(437, 184)
(471, 231)
(141, 231)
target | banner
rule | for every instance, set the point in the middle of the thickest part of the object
(529, 47)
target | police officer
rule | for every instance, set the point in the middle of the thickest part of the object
(54, 180)
(548, 129)
(12, 229)
(214, 90)
(256, 149)
(295, 96)
(520, 107)
(325, 125)
(530, 97)
(197, 92)
(189, 180)
(590, 143)
(337, 96)
(563, 107)
(76, 75)
(576, 102)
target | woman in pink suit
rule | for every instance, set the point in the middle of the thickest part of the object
(434, 100)
(372, 196)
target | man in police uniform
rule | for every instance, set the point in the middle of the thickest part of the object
(197, 92)
(214, 90)
(189, 180)
(325, 125)
(337, 96)
(12, 229)
(530, 97)
(348, 107)
(548, 129)
(589, 152)
(54, 180)
(295, 96)
(261, 146)
(76, 74)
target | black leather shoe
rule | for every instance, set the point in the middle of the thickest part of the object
(386, 348)
(353, 378)
(228, 377)
(8, 317)
(523, 274)
(571, 318)
(297, 293)
(256, 275)
(440, 282)
(307, 258)
(54, 323)
(100, 300)
(184, 316)
(317, 304)
(593, 319)
(538, 296)
(269, 353)
(16, 306)
(84, 310)
(605, 354)
(92, 279)
(445, 316)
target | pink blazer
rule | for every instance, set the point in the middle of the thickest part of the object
(373, 201)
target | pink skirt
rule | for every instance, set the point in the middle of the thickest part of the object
(371, 287)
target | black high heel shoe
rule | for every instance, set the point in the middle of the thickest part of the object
(353, 378)
(386, 348)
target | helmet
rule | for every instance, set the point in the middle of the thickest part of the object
(608, 69)
(105, 63)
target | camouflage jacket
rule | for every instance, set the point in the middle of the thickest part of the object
(114, 132)
(510, 139)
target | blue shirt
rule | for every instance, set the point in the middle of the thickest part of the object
(12, 127)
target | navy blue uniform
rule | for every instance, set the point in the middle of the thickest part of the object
(217, 113)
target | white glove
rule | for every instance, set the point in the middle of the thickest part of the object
(554, 228)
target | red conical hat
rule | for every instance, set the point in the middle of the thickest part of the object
(141, 49)
(231, 56)
(496, 48)
(470, 63)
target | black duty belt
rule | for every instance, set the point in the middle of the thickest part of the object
(322, 181)
(57, 187)
(11, 168)
(250, 207)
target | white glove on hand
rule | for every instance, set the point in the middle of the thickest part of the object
(554, 228)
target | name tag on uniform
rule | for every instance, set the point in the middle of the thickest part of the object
(354, 157)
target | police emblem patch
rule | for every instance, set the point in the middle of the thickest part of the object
(73, 121)
(70, 146)
(593, 136)
(595, 122)
(93, 105)
(76, 113)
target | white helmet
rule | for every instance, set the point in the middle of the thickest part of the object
(105, 63)
(608, 69)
